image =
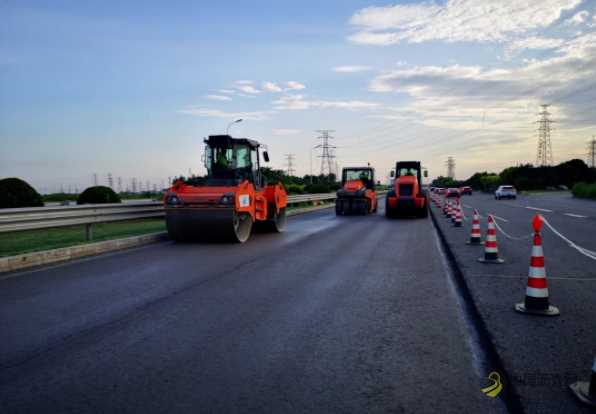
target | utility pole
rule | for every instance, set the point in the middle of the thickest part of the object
(544, 156)
(290, 161)
(450, 167)
(326, 151)
(592, 152)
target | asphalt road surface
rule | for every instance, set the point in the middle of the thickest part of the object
(541, 355)
(348, 314)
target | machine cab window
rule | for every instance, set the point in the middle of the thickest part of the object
(229, 161)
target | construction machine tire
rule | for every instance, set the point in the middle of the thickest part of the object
(338, 208)
(277, 224)
(241, 226)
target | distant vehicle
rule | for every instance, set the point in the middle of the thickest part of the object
(453, 192)
(505, 191)
(357, 194)
(465, 190)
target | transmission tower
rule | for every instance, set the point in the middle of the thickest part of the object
(290, 161)
(450, 163)
(95, 179)
(134, 185)
(326, 151)
(544, 155)
(592, 152)
(110, 181)
(119, 184)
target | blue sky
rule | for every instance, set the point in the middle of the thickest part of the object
(131, 88)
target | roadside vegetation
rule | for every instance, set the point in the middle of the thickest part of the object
(36, 240)
(526, 177)
(584, 190)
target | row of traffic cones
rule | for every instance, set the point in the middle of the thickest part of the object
(536, 301)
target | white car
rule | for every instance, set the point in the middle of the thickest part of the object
(505, 191)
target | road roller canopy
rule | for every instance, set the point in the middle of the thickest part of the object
(231, 159)
(366, 174)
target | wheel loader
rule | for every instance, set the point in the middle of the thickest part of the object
(357, 194)
(407, 197)
(230, 199)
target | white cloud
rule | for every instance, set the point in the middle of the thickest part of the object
(298, 102)
(216, 113)
(247, 86)
(579, 18)
(218, 97)
(285, 131)
(227, 91)
(533, 43)
(295, 86)
(473, 97)
(271, 87)
(351, 68)
(455, 21)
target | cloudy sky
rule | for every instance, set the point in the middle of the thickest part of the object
(131, 88)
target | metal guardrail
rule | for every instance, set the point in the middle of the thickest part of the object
(34, 218)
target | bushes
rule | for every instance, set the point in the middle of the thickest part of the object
(584, 190)
(98, 195)
(15, 192)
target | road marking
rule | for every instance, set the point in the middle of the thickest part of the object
(575, 215)
(539, 209)
(467, 206)
(500, 218)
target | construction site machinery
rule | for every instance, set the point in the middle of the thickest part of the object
(233, 196)
(407, 197)
(357, 195)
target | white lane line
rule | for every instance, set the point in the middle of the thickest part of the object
(467, 206)
(500, 218)
(574, 215)
(539, 209)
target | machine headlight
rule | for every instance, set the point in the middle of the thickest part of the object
(173, 200)
(227, 199)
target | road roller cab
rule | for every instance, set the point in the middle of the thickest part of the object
(407, 197)
(357, 195)
(233, 196)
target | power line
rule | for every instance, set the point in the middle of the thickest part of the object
(327, 155)
(290, 164)
(450, 167)
(544, 155)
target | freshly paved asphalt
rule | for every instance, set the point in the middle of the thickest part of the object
(349, 314)
(542, 355)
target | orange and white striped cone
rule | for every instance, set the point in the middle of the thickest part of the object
(586, 391)
(454, 211)
(491, 251)
(457, 221)
(447, 207)
(536, 301)
(475, 235)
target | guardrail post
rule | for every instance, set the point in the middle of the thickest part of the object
(88, 232)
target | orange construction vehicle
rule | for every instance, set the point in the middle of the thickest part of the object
(407, 197)
(357, 195)
(234, 195)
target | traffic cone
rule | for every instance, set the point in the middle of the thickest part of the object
(454, 211)
(491, 251)
(447, 208)
(536, 301)
(475, 236)
(586, 391)
(457, 216)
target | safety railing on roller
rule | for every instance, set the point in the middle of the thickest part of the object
(35, 218)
